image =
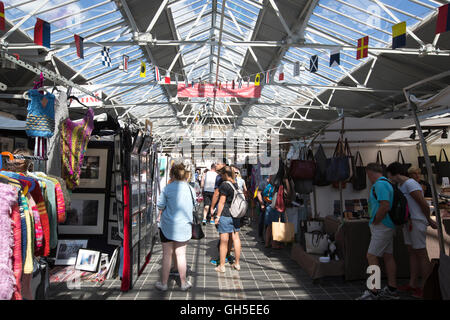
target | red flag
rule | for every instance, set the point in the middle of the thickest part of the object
(443, 19)
(42, 33)
(167, 79)
(363, 48)
(79, 44)
(2, 16)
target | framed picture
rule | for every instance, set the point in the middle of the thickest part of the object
(94, 169)
(85, 215)
(143, 169)
(138, 142)
(67, 251)
(135, 228)
(117, 152)
(120, 223)
(134, 198)
(87, 260)
(20, 143)
(6, 144)
(134, 168)
(114, 238)
(143, 197)
(118, 186)
(113, 209)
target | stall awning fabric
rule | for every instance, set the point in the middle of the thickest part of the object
(442, 99)
(11, 124)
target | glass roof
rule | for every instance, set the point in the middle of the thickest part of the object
(332, 22)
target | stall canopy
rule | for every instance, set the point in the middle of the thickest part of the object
(11, 124)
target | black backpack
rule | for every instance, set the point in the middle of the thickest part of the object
(399, 213)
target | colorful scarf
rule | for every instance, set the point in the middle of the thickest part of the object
(74, 139)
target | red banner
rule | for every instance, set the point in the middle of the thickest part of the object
(224, 91)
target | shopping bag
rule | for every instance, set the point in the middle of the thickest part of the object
(442, 167)
(359, 179)
(283, 231)
(338, 167)
(316, 242)
(303, 186)
(312, 226)
(320, 178)
(305, 168)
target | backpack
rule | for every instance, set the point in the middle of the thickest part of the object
(399, 212)
(239, 205)
(268, 192)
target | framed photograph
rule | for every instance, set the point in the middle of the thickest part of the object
(20, 143)
(120, 222)
(85, 215)
(137, 144)
(6, 144)
(117, 152)
(143, 225)
(113, 209)
(114, 238)
(87, 260)
(67, 251)
(143, 169)
(94, 169)
(134, 198)
(135, 228)
(118, 186)
(134, 168)
(135, 263)
(143, 197)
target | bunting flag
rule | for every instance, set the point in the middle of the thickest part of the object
(167, 78)
(399, 35)
(335, 58)
(80, 47)
(363, 48)
(268, 77)
(258, 80)
(106, 59)
(240, 82)
(314, 64)
(42, 33)
(157, 78)
(125, 59)
(2, 16)
(296, 69)
(443, 19)
(143, 72)
(232, 84)
(281, 73)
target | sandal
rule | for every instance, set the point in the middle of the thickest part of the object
(236, 267)
(220, 269)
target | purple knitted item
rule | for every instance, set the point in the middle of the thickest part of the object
(8, 197)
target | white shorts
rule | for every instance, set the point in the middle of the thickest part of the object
(381, 240)
(417, 237)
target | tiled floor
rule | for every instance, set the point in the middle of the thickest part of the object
(265, 274)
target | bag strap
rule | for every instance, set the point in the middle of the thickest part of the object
(380, 157)
(336, 150)
(358, 157)
(400, 154)
(194, 218)
(234, 190)
(445, 154)
(347, 151)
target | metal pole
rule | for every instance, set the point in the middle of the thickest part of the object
(426, 156)
(340, 184)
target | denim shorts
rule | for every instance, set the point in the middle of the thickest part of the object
(228, 225)
(272, 215)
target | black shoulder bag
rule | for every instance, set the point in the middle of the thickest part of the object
(197, 231)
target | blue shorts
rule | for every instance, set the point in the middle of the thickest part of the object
(228, 225)
(272, 215)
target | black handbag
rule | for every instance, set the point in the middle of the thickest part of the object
(381, 163)
(197, 231)
(405, 166)
(442, 167)
(423, 167)
(320, 178)
(359, 179)
(339, 168)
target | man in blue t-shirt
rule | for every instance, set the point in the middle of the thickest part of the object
(382, 231)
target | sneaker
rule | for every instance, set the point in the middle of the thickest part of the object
(368, 295)
(417, 293)
(406, 288)
(386, 294)
(212, 222)
(187, 285)
(160, 286)
(204, 222)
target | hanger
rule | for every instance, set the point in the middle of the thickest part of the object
(17, 176)
(77, 100)
(5, 153)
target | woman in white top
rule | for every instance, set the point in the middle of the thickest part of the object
(415, 232)
(240, 182)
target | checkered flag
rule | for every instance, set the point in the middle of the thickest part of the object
(106, 59)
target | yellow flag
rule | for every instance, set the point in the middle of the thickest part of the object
(143, 70)
(258, 80)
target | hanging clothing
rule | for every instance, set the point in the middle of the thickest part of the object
(41, 114)
(74, 139)
(17, 252)
(8, 198)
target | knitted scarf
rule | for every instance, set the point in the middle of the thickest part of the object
(8, 198)
(74, 139)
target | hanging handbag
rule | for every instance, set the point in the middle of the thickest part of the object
(316, 242)
(338, 168)
(279, 203)
(314, 225)
(443, 167)
(359, 179)
(423, 167)
(303, 186)
(405, 166)
(305, 168)
(381, 163)
(197, 231)
(283, 231)
(320, 178)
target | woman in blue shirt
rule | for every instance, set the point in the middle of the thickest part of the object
(176, 206)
